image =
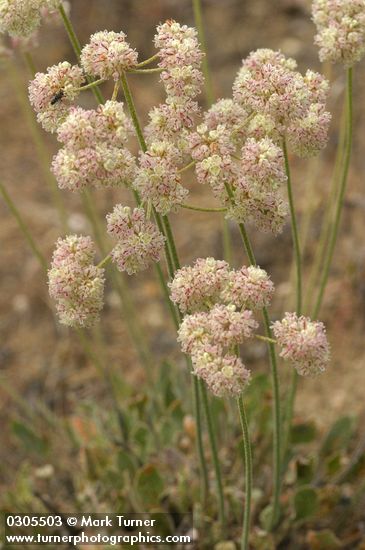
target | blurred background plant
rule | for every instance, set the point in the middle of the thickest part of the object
(123, 416)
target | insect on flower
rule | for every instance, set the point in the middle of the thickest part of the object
(57, 97)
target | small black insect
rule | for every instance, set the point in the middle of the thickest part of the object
(57, 97)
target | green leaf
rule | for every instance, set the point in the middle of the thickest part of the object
(305, 470)
(149, 485)
(125, 462)
(29, 439)
(305, 503)
(323, 540)
(303, 433)
(338, 436)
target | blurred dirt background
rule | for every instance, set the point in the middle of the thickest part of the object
(43, 362)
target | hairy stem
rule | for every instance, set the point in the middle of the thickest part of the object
(77, 47)
(215, 458)
(248, 474)
(23, 227)
(275, 383)
(339, 205)
(201, 209)
(298, 264)
(173, 264)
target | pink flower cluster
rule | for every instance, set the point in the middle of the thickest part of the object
(20, 18)
(139, 241)
(210, 281)
(108, 55)
(269, 86)
(180, 59)
(219, 302)
(340, 30)
(256, 193)
(51, 93)
(94, 152)
(75, 283)
(158, 179)
(209, 337)
(303, 342)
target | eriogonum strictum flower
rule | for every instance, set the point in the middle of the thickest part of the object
(94, 152)
(139, 241)
(180, 59)
(269, 86)
(303, 342)
(158, 179)
(20, 18)
(108, 55)
(340, 30)
(51, 93)
(219, 302)
(75, 283)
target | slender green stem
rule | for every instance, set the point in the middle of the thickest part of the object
(92, 84)
(104, 261)
(215, 458)
(275, 383)
(173, 264)
(76, 46)
(185, 168)
(248, 474)
(209, 95)
(148, 61)
(23, 227)
(198, 17)
(295, 232)
(200, 444)
(145, 71)
(30, 63)
(39, 143)
(201, 209)
(265, 338)
(289, 409)
(341, 194)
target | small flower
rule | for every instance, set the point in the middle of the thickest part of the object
(225, 376)
(75, 283)
(178, 45)
(340, 30)
(198, 287)
(158, 179)
(250, 287)
(98, 166)
(20, 18)
(108, 55)
(262, 164)
(229, 114)
(139, 241)
(303, 342)
(310, 134)
(205, 143)
(51, 93)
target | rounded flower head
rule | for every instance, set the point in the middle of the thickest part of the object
(178, 45)
(139, 241)
(107, 55)
(98, 166)
(199, 286)
(303, 342)
(75, 283)
(51, 93)
(229, 114)
(262, 164)
(250, 287)
(310, 134)
(158, 179)
(340, 30)
(225, 375)
(20, 18)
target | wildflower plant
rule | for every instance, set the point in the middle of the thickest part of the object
(239, 147)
